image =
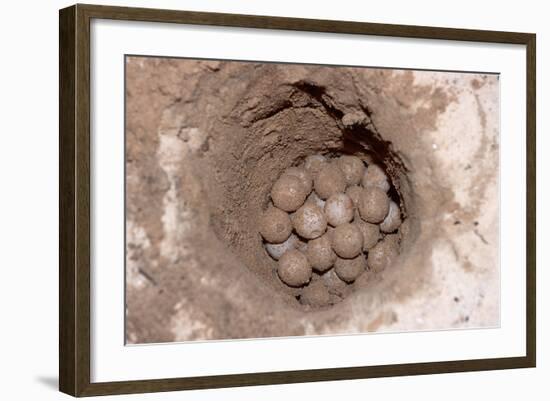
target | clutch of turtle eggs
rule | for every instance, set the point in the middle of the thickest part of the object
(329, 215)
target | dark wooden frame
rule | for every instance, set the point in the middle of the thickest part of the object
(74, 199)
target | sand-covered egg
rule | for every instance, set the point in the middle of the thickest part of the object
(275, 225)
(288, 193)
(314, 163)
(320, 253)
(303, 175)
(315, 294)
(294, 268)
(352, 167)
(374, 176)
(329, 181)
(371, 233)
(309, 221)
(383, 253)
(349, 269)
(347, 240)
(354, 192)
(339, 209)
(373, 205)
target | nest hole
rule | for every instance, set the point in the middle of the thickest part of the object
(299, 122)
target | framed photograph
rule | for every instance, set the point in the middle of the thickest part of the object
(250, 200)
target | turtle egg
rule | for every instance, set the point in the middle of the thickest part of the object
(383, 253)
(371, 233)
(352, 167)
(329, 181)
(354, 192)
(373, 205)
(294, 268)
(309, 221)
(277, 250)
(347, 240)
(349, 269)
(314, 163)
(320, 253)
(288, 193)
(315, 294)
(303, 175)
(339, 209)
(375, 177)
(275, 225)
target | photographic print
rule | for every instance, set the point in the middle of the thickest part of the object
(275, 200)
(255, 200)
